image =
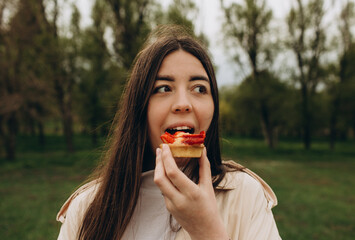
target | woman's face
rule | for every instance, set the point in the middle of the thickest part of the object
(181, 97)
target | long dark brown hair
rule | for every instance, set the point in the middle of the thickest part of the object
(120, 174)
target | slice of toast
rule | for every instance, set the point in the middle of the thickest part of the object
(186, 151)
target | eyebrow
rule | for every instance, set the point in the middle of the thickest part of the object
(171, 79)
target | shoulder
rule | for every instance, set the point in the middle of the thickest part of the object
(239, 181)
(247, 184)
(79, 201)
(245, 200)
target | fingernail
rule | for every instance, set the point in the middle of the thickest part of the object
(158, 151)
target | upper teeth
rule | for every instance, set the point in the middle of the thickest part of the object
(182, 128)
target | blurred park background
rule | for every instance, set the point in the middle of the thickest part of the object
(287, 108)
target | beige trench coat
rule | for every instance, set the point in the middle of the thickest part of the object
(244, 201)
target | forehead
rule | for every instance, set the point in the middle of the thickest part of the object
(181, 62)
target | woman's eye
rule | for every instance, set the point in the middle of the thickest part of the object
(200, 89)
(162, 89)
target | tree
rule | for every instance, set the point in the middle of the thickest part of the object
(179, 12)
(130, 26)
(8, 100)
(133, 21)
(94, 83)
(23, 72)
(307, 41)
(345, 74)
(238, 113)
(247, 25)
(62, 79)
(182, 13)
(240, 108)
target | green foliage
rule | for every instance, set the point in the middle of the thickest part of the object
(25, 91)
(240, 106)
(307, 38)
(178, 13)
(246, 25)
(94, 83)
(130, 21)
(183, 13)
(341, 89)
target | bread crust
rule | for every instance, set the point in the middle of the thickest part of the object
(186, 151)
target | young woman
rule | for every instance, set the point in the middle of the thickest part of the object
(140, 191)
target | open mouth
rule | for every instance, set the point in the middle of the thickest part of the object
(180, 129)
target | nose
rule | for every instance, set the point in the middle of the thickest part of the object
(182, 104)
(181, 108)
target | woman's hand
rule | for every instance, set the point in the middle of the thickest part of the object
(193, 206)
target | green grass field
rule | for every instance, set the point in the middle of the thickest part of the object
(315, 188)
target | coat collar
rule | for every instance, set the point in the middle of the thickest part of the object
(229, 181)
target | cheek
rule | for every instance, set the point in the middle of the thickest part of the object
(155, 116)
(205, 114)
(155, 113)
(152, 118)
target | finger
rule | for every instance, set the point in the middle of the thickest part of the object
(175, 175)
(161, 180)
(158, 163)
(205, 169)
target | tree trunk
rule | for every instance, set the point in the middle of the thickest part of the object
(65, 110)
(336, 102)
(332, 135)
(2, 136)
(266, 126)
(94, 136)
(264, 111)
(31, 126)
(68, 126)
(306, 118)
(334, 120)
(94, 123)
(10, 138)
(41, 138)
(61, 87)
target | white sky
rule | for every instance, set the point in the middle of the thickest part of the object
(210, 21)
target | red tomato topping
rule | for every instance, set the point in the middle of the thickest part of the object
(190, 139)
(167, 138)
